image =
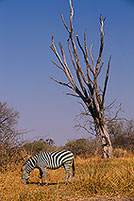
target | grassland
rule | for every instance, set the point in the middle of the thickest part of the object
(95, 178)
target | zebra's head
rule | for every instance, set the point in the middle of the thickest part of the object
(25, 174)
(26, 169)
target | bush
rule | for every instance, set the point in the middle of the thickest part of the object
(10, 152)
(81, 147)
(36, 147)
(118, 153)
(122, 134)
(10, 157)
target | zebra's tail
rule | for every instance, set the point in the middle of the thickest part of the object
(73, 168)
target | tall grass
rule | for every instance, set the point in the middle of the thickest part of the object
(94, 177)
(106, 177)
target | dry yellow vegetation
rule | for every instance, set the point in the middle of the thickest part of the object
(95, 177)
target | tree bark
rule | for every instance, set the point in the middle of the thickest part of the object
(106, 142)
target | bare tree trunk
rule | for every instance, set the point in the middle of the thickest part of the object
(101, 129)
(106, 142)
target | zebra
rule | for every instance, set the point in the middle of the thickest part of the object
(49, 160)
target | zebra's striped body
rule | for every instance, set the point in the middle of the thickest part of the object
(50, 160)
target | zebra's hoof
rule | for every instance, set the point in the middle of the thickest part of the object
(67, 182)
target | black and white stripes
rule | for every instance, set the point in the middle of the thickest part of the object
(50, 160)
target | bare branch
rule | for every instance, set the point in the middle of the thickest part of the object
(111, 105)
(102, 43)
(106, 80)
(65, 66)
(67, 70)
(52, 46)
(77, 71)
(98, 63)
(71, 55)
(113, 116)
(71, 17)
(85, 55)
(57, 65)
(84, 112)
(62, 83)
(88, 83)
(86, 52)
(65, 24)
(92, 56)
(78, 126)
(116, 114)
(70, 94)
(73, 44)
(100, 68)
(85, 45)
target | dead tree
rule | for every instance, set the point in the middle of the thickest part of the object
(85, 85)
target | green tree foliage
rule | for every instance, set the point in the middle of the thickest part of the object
(37, 146)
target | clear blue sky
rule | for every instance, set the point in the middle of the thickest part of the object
(26, 27)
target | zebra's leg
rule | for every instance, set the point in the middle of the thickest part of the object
(40, 175)
(45, 176)
(25, 176)
(68, 172)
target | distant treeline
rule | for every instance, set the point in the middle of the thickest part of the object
(13, 150)
(121, 133)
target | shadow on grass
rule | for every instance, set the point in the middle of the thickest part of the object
(44, 184)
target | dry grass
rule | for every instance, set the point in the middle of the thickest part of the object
(94, 177)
